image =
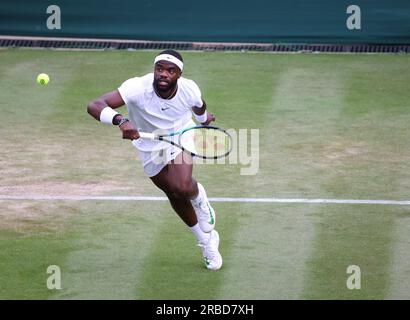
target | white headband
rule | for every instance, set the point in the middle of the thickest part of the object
(170, 58)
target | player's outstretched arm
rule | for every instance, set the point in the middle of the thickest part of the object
(113, 100)
(202, 116)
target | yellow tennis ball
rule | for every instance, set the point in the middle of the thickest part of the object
(43, 79)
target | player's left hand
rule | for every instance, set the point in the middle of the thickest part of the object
(210, 118)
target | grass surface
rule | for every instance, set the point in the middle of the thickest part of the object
(330, 126)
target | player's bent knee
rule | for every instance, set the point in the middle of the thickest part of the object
(183, 189)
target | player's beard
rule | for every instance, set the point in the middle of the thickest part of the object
(164, 88)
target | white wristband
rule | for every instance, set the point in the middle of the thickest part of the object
(201, 118)
(107, 115)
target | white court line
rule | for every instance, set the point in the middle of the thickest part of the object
(255, 200)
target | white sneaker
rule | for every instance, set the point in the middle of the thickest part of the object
(212, 257)
(204, 212)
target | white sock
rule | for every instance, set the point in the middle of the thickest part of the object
(201, 236)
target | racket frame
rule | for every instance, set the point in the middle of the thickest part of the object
(153, 136)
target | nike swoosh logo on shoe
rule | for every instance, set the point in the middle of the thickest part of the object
(212, 221)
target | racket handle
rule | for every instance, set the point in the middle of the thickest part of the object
(147, 135)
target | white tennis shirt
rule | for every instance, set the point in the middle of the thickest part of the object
(149, 112)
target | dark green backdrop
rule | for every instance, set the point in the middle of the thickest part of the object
(292, 21)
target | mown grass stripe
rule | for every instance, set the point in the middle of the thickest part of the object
(359, 163)
(273, 274)
(399, 273)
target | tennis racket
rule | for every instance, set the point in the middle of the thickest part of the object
(204, 142)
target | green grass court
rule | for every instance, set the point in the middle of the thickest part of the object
(331, 127)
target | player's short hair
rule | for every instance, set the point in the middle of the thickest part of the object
(171, 52)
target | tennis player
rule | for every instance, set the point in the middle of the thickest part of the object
(164, 100)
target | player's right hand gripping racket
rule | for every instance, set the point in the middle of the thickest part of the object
(205, 142)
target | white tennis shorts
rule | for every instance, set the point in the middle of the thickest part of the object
(154, 161)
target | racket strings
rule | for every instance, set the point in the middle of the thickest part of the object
(207, 142)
